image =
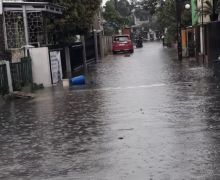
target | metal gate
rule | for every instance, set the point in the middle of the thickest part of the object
(3, 80)
(21, 74)
(90, 48)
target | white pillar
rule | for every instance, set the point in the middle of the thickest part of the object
(25, 24)
(202, 40)
(10, 86)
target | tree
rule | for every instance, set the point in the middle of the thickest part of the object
(165, 12)
(124, 8)
(77, 17)
(112, 16)
(151, 5)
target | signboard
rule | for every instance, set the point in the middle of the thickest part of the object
(56, 67)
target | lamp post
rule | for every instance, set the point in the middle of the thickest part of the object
(203, 57)
(179, 35)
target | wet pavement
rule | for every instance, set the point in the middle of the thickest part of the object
(141, 117)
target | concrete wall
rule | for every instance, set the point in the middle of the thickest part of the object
(41, 66)
(107, 44)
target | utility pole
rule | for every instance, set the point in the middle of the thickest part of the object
(116, 4)
(203, 47)
(179, 34)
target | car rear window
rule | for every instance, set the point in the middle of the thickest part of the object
(121, 38)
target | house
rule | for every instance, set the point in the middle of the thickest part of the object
(205, 28)
(24, 23)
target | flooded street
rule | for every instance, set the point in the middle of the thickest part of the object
(147, 116)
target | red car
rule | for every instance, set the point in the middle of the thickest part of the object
(122, 43)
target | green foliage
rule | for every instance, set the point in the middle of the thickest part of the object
(166, 18)
(151, 5)
(142, 14)
(77, 18)
(166, 15)
(124, 8)
(116, 18)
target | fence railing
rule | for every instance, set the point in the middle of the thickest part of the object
(21, 73)
(3, 79)
(14, 76)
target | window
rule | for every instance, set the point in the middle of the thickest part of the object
(121, 38)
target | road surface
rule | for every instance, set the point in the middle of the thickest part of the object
(147, 116)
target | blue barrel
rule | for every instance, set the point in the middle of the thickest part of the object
(79, 80)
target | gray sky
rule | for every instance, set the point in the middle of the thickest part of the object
(103, 2)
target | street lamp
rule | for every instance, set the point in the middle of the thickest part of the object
(187, 6)
(179, 33)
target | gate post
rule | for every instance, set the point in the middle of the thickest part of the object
(96, 46)
(101, 46)
(25, 24)
(68, 62)
(10, 86)
(84, 51)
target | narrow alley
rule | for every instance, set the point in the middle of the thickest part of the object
(144, 116)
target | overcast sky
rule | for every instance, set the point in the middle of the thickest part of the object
(103, 2)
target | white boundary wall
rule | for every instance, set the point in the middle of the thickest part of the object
(41, 66)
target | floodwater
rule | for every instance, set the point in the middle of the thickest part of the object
(147, 116)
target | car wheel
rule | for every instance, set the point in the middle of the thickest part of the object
(114, 52)
(132, 51)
